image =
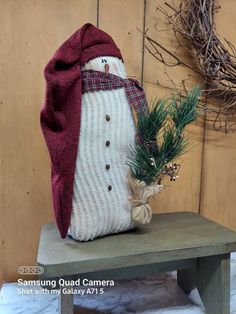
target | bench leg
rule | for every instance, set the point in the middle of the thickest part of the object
(186, 279)
(66, 305)
(211, 276)
(213, 283)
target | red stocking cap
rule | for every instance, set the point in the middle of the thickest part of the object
(60, 116)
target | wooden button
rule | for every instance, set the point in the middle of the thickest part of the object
(108, 143)
(108, 118)
(107, 167)
(109, 187)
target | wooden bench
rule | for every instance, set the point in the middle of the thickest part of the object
(197, 248)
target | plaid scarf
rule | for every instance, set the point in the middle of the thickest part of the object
(96, 80)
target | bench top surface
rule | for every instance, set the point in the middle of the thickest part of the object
(169, 237)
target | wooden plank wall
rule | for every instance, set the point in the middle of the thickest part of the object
(30, 32)
(218, 198)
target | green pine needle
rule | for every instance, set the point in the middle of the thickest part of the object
(147, 165)
(149, 125)
(141, 166)
(173, 145)
(186, 111)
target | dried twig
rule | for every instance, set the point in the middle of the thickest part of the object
(215, 62)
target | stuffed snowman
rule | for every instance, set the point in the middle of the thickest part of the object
(107, 133)
(88, 124)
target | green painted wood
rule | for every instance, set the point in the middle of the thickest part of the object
(169, 237)
(66, 305)
(186, 278)
(211, 276)
(131, 272)
(213, 283)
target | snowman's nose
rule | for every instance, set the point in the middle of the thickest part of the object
(107, 69)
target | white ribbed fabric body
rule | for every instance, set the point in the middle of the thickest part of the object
(96, 211)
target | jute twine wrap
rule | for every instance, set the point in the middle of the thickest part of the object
(141, 210)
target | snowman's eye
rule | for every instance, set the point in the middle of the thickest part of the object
(104, 61)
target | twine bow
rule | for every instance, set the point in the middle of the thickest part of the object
(141, 210)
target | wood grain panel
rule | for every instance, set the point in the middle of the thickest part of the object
(219, 178)
(182, 195)
(121, 20)
(219, 175)
(30, 32)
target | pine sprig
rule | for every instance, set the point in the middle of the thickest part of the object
(170, 142)
(141, 165)
(185, 112)
(149, 125)
(173, 145)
